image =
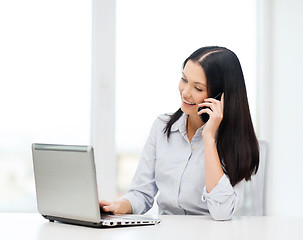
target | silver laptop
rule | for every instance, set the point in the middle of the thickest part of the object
(66, 188)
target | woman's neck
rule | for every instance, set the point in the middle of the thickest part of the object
(193, 123)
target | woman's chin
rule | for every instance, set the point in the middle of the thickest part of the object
(188, 111)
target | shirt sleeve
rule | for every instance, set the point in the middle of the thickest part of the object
(143, 187)
(224, 199)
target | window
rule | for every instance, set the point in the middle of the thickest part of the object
(45, 89)
(46, 52)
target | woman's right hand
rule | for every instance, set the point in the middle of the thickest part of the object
(122, 206)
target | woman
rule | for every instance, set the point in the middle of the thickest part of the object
(198, 167)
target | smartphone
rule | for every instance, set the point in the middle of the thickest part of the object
(204, 116)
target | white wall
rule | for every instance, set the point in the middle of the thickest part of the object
(281, 86)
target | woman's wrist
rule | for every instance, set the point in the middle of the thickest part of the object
(208, 138)
(124, 207)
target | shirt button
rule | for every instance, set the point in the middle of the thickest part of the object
(174, 203)
(192, 148)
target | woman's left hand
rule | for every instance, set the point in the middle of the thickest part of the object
(215, 115)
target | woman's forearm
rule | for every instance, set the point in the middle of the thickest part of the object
(213, 168)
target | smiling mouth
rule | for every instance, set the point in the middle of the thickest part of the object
(192, 104)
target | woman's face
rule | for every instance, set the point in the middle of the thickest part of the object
(192, 87)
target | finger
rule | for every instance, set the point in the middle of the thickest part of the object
(222, 97)
(213, 100)
(110, 208)
(104, 203)
(205, 110)
(205, 104)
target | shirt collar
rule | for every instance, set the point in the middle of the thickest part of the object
(180, 124)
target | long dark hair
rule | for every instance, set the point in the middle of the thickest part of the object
(237, 144)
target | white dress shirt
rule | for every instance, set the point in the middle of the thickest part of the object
(174, 168)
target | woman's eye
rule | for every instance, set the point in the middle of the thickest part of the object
(200, 90)
(183, 79)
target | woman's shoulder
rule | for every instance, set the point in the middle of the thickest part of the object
(164, 118)
(161, 120)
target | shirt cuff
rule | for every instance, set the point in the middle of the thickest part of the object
(220, 192)
(137, 206)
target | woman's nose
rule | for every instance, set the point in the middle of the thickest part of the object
(186, 92)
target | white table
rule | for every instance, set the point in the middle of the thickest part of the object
(33, 226)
